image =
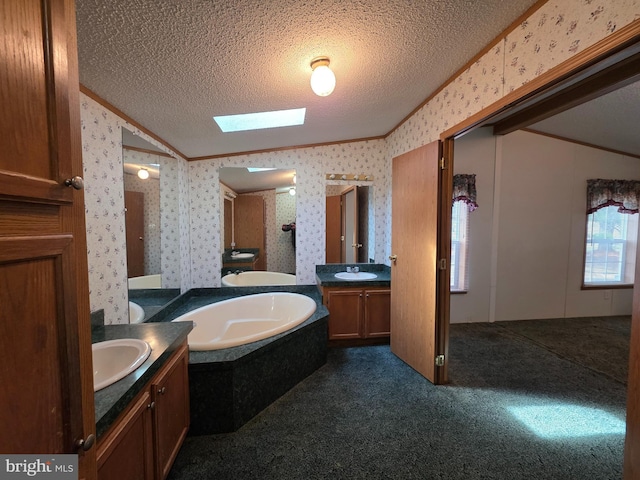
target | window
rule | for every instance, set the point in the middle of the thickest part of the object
(612, 232)
(610, 253)
(459, 241)
(464, 201)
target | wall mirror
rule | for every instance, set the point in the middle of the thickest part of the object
(259, 212)
(350, 223)
(151, 220)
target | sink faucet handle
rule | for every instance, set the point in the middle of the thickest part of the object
(348, 269)
(355, 269)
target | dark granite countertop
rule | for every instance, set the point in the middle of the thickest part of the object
(152, 300)
(200, 297)
(325, 275)
(164, 339)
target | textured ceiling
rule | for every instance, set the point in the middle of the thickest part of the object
(610, 121)
(173, 65)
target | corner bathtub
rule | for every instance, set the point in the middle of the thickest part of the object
(257, 278)
(246, 319)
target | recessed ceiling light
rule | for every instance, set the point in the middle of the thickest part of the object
(257, 121)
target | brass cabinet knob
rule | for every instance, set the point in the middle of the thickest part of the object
(75, 182)
(393, 258)
(86, 443)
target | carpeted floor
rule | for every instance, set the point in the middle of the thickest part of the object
(514, 410)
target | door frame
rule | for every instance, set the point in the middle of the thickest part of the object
(610, 64)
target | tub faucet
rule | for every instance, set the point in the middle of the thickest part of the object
(237, 272)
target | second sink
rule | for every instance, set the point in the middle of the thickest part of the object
(115, 359)
(242, 255)
(356, 275)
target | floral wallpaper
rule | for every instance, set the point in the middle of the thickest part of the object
(554, 33)
(104, 212)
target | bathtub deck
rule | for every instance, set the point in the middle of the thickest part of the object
(230, 386)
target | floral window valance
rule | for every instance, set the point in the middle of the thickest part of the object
(624, 194)
(464, 189)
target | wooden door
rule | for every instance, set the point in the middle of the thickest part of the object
(333, 230)
(134, 226)
(632, 440)
(249, 225)
(414, 326)
(46, 399)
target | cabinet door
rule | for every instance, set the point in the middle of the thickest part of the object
(377, 313)
(171, 422)
(126, 452)
(345, 314)
(46, 403)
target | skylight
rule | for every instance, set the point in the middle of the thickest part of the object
(256, 121)
(260, 169)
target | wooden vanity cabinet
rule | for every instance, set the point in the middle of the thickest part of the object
(126, 451)
(144, 442)
(358, 313)
(170, 393)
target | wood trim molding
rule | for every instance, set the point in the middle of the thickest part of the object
(127, 118)
(280, 149)
(578, 142)
(602, 51)
(604, 81)
(477, 57)
(146, 150)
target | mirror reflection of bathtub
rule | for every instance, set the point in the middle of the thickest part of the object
(145, 281)
(257, 278)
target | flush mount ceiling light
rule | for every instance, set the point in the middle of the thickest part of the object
(143, 173)
(292, 191)
(323, 81)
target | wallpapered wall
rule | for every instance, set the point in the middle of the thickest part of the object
(554, 33)
(104, 210)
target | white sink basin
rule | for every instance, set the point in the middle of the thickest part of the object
(115, 359)
(136, 313)
(356, 276)
(242, 255)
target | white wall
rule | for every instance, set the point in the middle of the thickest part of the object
(527, 236)
(475, 153)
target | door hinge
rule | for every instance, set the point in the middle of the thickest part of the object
(442, 264)
(439, 360)
(442, 163)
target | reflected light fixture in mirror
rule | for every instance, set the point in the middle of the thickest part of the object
(143, 174)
